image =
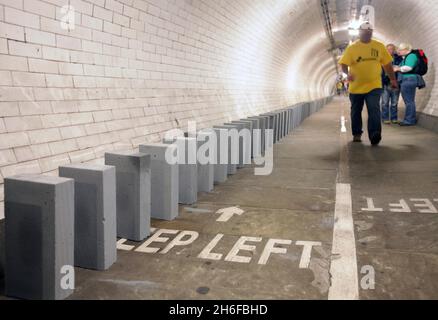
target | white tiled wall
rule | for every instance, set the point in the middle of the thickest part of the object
(132, 69)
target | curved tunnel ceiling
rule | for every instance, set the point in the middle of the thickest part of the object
(310, 66)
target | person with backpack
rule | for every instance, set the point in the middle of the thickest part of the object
(390, 96)
(411, 70)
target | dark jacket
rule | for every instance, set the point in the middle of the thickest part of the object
(396, 62)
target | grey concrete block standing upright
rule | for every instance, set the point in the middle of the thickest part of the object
(268, 126)
(274, 122)
(206, 168)
(242, 145)
(233, 153)
(281, 124)
(307, 110)
(284, 112)
(276, 126)
(133, 188)
(164, 179)
(255, 129)
(246, 140)
(221, 169)
(2, 249)
(95, 214)
(188, 172)
(286, 128)
(39, 213)
(253, 125)
(298, 115)
(290, 119)
(263, 126)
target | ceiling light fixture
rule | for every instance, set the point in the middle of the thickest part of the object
(353, 28)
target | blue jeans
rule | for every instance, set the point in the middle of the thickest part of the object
(390, 98)
(408, 90)
(372, 100)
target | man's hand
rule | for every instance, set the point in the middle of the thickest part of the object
(394, 84)
(397, 69)
(351, 77)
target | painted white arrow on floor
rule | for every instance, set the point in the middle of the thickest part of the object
(228, 213)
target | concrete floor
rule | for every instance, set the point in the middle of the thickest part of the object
(297, 203)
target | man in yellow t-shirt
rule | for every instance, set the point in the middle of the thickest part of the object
(363, 61)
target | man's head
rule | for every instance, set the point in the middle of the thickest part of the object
(366, 30)
(392, 49)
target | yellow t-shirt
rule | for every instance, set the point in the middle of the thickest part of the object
(365, 61)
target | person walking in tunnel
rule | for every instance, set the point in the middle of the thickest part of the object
(410, 81)
(362, 62)
(390, 96)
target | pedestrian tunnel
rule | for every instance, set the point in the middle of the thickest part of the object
(97, 95)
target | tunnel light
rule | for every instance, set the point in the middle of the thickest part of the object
(353, 32)
(353, 28)
(355, 24)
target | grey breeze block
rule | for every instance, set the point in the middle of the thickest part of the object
(133, 194)
(165, 181)
(205, 170)
(274, 124)
(233, 164)
(248, 155)
(284, 114)
(220, 170)
(39, 217)
(188, 172)
(264, 125)
(95, 214)
(255, 126)
(243, 147)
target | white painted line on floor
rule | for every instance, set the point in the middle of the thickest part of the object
(122, 246)
(401, 207)
(343, 127)
(426, 204)
(207, 254)
(307, 252)
(371, 207)
(343, 268)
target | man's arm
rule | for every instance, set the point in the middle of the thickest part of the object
(344, 68)
(389, 69)
(346, 71)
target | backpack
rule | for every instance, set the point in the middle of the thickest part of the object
(423, 63)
